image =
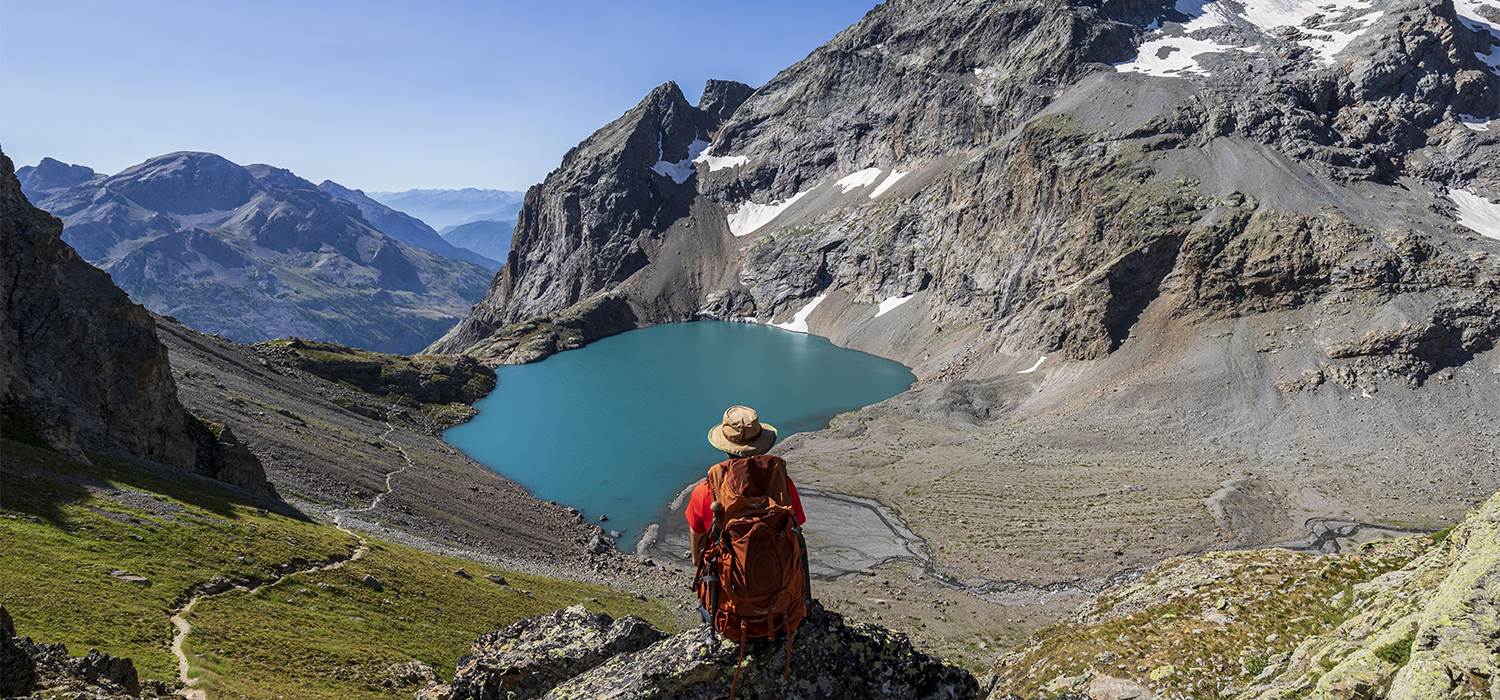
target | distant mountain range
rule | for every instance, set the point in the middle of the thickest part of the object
(442, 209)
(255, 252)
(487, 238)
(407, 228)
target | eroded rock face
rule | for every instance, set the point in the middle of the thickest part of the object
(220, 455)
(579, 655)
(76, 356)
(95, 675)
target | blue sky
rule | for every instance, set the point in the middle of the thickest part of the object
(380, 95)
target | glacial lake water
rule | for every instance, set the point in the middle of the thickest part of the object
(620, 426)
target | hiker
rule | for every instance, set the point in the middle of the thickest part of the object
(740, 434)
(748, 552)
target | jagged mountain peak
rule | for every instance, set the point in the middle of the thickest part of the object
(721, 98)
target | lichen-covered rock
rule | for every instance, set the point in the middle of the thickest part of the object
(407, 674)
(572, 654)
(1428, 630)
(530, 657)
(828, 660)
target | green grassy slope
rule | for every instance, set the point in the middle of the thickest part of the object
(65, 527)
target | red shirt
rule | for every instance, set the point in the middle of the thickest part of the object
(700, 517)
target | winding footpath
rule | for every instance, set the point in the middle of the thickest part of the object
(183, 627)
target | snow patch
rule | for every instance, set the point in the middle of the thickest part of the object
(719, 162)
(680, 170)
(1267, 15)
(1171, 57)
(1174, 56)
(752, 216)
(1036, 366)
(798, 324)
(894, 177)
(890, 304)
(1338, 41)
(863, 178)
(1477, 213)
(1475, 123)
(1468, 13)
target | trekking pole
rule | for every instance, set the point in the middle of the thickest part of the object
(714, 531)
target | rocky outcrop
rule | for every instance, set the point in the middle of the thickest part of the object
(538, 338)
(78, 360)
(574, 654)
(1404, 618)
(28, 667)
(434, 379)
(255, 253)
(1428, 630)
(531, 657)
(404, 227)
(17, 669)
(221, 456)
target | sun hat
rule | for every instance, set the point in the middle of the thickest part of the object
(741, 433)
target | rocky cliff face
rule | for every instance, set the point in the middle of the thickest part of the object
(587, 228)
(988, 155)
(79, 358)
(255, 253)
(576, 654)
(80, 365)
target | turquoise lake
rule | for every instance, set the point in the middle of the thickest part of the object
(620, 426)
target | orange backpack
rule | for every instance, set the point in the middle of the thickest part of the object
(753, 580)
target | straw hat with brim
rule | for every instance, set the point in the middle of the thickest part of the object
(742, 434)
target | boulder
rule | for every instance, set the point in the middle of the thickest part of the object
(600, 544)
(569, 654)
(530, 657)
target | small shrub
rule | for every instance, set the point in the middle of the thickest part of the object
(1254, 664)
(1396, 654)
